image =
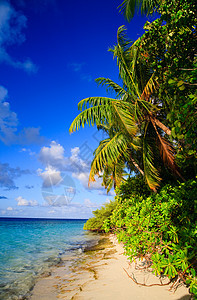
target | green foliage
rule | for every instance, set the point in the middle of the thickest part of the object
(169, 48)
(134, 186)
(100, 215)
(162, 228)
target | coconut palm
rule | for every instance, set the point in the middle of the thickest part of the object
(128, 7)
(131, 120)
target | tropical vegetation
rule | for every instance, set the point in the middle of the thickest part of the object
(150, 151)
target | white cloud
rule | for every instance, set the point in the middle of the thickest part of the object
(52, 155)
(23, 202)
(90, 204)
(12, 24)
(28, 151)
(9, 208)
(50, 176)
(83, 177)
(76, 161)
(9, 133)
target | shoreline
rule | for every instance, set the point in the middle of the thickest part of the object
(102, 273)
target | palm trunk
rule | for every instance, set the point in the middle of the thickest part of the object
(137, 166)
(162, 126)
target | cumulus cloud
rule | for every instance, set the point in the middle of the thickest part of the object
(52, 155)
(60, 194)
(12, 24)
(8, 174)
(9, 133)
(23, 202)
(83, 177)
(50, 176)
(78, 163)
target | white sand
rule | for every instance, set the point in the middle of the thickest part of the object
(103, 277)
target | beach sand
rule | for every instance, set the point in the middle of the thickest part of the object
(102, 273)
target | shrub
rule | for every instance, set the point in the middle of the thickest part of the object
(161, 228)
(100, 215)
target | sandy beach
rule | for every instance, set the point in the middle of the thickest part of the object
(103, 273)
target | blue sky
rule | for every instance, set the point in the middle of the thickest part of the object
(50, 53)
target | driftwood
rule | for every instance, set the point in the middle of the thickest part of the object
(147, 285)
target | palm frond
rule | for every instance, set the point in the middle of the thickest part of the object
(126, 117)
(113, 175)
(122, 52)
(167, 152)
(111, 86)
(94, 101)
(107, 153)
(151, 173)
(93, 115)
(128, 7)
(149, 88)
(123, 41)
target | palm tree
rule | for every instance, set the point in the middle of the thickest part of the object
(128, 7)
(131, 120)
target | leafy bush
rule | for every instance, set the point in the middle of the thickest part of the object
(100, 215)
(161, 228)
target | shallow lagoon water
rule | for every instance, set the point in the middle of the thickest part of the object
(30, 247)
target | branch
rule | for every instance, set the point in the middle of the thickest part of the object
(147, 285)
(190, 83)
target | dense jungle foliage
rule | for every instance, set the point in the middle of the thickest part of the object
(151, 128)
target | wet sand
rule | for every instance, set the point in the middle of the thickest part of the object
(102, 272)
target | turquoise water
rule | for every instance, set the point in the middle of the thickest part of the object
(29, 247)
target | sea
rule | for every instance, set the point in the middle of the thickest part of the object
(29, 248)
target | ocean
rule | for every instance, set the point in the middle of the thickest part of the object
(29, 248)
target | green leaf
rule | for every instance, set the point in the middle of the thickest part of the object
(181, 82)
(180, 136)
(171, 81)
(182, 87)
(173, 133)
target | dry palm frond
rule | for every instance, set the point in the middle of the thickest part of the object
(167, 152)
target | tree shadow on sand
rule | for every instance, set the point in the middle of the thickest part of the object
(186, 297)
